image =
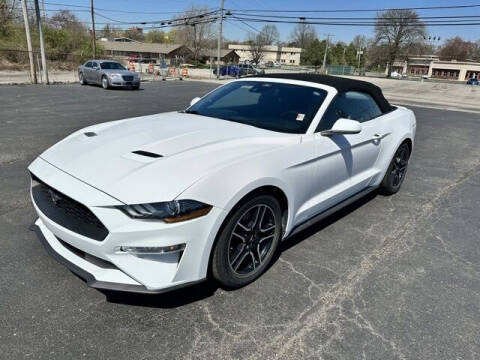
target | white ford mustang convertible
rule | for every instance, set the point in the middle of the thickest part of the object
(157, 202)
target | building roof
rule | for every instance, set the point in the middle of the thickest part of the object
(273, 48)
(340, 83)
(140, 47)
(223, 53)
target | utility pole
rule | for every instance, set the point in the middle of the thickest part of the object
(219, 43)
(33, 73)
(325, 55)
(42, 44)
(94, 41)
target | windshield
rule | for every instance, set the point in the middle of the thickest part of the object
(268, 105)
(111, 66)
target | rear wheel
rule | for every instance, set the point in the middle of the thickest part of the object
(247, 242)
(105, 83)
(396, 171)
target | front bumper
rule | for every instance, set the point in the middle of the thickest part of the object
(122, 83)
(101, 263)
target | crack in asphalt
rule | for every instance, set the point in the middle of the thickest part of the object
(316, 315)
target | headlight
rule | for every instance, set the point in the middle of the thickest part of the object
(170, 211)
(114, 76)
(135, 76)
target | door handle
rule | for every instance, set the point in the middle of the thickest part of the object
(377, 136)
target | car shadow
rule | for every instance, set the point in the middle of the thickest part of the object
(203, 290)
(171, 299)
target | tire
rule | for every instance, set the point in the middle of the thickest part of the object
(396, 171)
(82, 79)
(247, 242)
(105, 83)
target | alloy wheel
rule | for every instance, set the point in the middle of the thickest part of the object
(399, 168)
(251, 239)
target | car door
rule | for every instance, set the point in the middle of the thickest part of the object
(346, 162)
(87, 69)
(96, 76)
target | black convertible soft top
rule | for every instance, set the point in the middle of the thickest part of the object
(340, 83)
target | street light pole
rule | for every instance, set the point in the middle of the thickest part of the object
(219, 42)
(33, 73)
(42, 44)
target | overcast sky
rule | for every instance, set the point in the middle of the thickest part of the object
(238, 31)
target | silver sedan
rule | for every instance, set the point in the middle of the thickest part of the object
(108, 74)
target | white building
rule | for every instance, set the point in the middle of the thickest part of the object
(432, 66)
(281, 54)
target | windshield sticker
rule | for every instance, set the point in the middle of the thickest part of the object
(300, 117)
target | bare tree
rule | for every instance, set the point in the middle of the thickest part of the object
(303, 34)
(458, 49)
(196, 32)
(360, 42)
(257, 45)
(396, 29)
(270, 34)
(134, 33)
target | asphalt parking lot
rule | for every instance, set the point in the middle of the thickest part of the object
(387, 278)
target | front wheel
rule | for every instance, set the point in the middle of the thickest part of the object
(247, 242)
(105, 83)
(82, 79)
(395, 175)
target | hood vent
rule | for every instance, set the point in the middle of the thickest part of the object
(147, 154)
(90, 134)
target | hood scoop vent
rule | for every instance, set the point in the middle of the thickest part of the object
(147, 154)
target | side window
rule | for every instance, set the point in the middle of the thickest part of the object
(362, 106)
(88, 64)
(94, 64)
(353, 105)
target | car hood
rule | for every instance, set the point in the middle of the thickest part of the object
(155, 158)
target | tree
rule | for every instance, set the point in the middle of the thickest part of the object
(270, 34)
(155, 36)
(313, 54)
(134, 33)
(257, 45)
(303, 34)
(110, 32)
(458, 49)
(360, 42)
(397, 29)
(195, 31)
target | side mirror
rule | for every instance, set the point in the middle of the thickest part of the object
(343, 126)
(194, 101)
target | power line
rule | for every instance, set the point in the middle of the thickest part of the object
(250, 26)
(120, 11)
(361, 10)
(407, 23)
(351, 18)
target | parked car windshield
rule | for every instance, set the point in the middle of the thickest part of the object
(112, 66)
(268, 105)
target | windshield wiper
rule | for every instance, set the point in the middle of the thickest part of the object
(195, 112)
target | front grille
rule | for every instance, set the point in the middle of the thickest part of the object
(127, 77)
(67, 212)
